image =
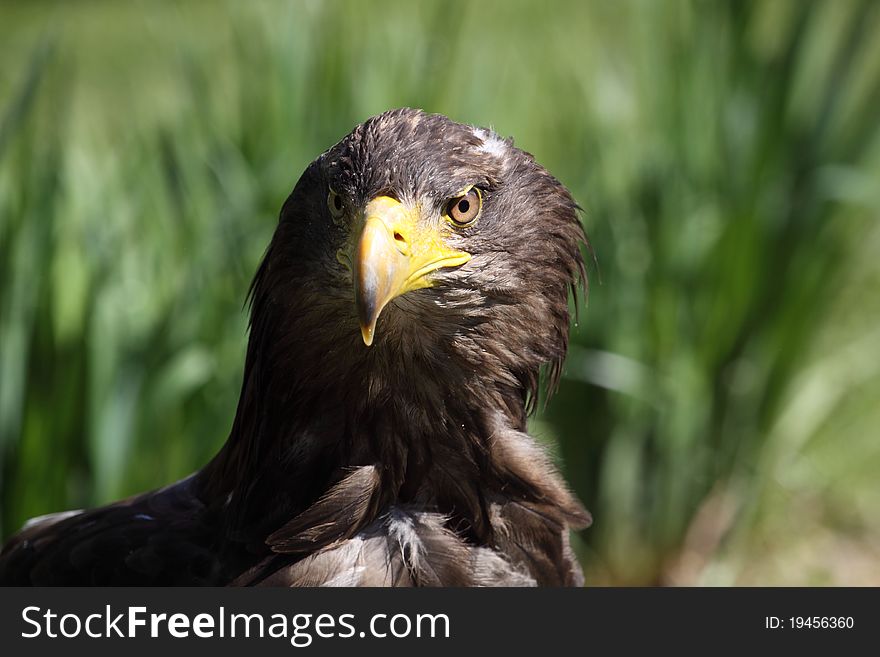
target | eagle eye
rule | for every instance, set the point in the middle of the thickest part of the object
(463, 210)
(335, 204)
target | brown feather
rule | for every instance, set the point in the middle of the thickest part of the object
(337, 515)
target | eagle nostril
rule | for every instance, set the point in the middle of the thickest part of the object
(401, 243)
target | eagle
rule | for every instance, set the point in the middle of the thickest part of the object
(411, 308)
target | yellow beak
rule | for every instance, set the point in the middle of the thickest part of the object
(394, 255)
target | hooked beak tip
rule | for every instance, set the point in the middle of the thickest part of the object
(369, 301)
(367, 333)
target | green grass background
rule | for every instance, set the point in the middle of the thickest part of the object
(720, 411)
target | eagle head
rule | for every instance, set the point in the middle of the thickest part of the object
(419, 260)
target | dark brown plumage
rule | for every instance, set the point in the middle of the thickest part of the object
(451, 254)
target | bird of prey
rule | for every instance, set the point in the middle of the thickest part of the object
(414, 296)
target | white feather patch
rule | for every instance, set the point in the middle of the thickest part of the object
(492, 145)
